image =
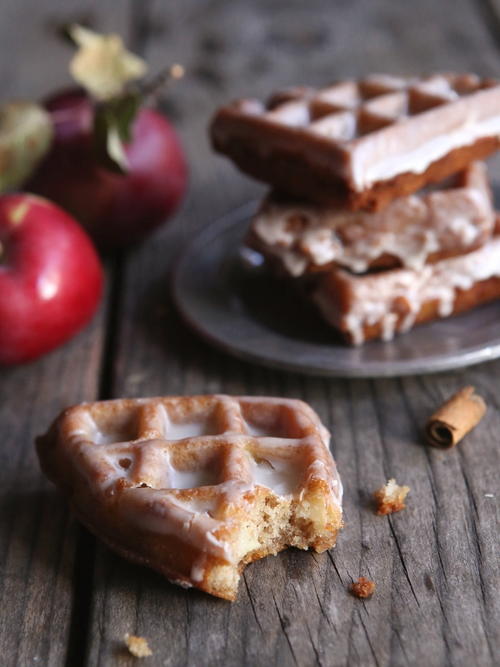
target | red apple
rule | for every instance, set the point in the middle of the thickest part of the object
(116, 209)
(50, 277)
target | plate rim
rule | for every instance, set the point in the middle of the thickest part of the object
(379, 369)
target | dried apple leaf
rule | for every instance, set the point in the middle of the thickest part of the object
(26, 133)
(113, 129)
(102, 64)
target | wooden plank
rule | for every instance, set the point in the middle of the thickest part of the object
(434, 563)
(40, 545)
(37, 556)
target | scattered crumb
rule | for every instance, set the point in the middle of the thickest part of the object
(138, 646)
(489, 495)
(391, 497)
(363, 588)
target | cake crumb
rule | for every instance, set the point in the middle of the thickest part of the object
(391, 497)
(363, 588)
(138, 646)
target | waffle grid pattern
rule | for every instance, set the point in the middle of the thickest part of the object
(348, 110)
(196, 449)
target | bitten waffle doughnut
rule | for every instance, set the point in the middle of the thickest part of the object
(379, 305)
(197, 487)
(410, 232)
(360, 144)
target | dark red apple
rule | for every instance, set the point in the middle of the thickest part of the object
(50, 277)
(116, 209)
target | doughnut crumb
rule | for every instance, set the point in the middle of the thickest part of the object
(137, 646)
(390, 498)
(363, 588)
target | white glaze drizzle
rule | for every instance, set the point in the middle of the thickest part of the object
(410, 228)
(282, 476)
(416, 161)
(181, 582)
(256, 430)
(166, 514)
(373, 296)
(191, 479)
(179, 431)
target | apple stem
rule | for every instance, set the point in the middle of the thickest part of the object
(159, 82)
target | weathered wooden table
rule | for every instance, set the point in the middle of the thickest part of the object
(65, 599)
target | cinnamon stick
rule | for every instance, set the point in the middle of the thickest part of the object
(459, 415)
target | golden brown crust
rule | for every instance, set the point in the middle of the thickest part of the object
(290, 174)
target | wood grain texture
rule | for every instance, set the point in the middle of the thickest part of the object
(37, 537)
(435, 564)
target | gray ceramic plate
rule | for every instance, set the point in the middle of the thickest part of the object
(235, 306)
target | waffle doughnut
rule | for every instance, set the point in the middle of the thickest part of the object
(411, 231)
(382, 304)
(360, 144)
(197, 487)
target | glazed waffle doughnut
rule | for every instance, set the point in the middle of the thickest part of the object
(197, 487)
(360, 144)
(379, 305)
(410, 232)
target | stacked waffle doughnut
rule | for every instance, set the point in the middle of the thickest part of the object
(380, 205)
